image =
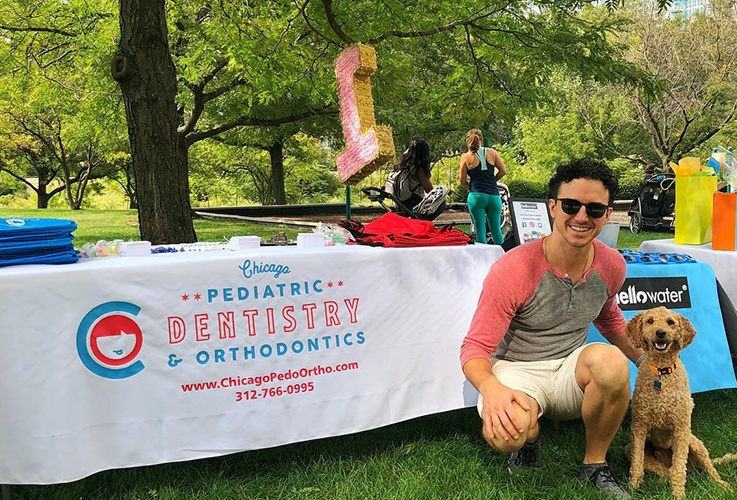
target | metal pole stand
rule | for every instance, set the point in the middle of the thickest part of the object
(347, 202)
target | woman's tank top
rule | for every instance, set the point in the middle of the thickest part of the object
(482, 179)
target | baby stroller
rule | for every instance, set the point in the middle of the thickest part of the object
(654, 205)
(428, 209)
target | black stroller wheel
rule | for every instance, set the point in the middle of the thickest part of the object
(635, 223)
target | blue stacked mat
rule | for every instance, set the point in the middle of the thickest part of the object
(36, 241)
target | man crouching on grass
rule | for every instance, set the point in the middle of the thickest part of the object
(526, 350)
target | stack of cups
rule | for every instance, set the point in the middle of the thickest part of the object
(310, 240)
(244, 242)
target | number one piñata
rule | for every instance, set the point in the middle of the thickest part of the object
(367, 145)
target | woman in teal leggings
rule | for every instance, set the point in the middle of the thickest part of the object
(480, 170)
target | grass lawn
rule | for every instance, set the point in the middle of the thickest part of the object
(96, 225)
(435, 457)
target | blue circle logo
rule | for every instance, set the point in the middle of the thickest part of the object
(109, 340)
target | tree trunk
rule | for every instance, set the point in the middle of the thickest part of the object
(145, 72)
(42, 201)
(276, 155)
(42, 197)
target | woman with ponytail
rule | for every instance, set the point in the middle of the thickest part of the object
(410, 180)
(480, 170)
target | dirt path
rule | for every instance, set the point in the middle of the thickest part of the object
(450, 215)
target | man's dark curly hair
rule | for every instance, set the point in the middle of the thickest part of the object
(584, 168)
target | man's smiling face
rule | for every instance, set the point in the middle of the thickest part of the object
(581, 228)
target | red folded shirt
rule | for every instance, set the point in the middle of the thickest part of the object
(392, 230)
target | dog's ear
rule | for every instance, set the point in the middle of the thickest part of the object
(687, 331)
(634, 330)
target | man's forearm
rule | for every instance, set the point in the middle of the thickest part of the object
(621, 341)
(478, 372)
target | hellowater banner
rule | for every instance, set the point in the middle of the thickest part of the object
(119, 362)
(689, 289)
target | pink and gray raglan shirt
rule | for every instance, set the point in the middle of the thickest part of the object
(529, 312)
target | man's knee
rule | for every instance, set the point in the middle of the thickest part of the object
(507, 446)
(608, 367)
(528, 421)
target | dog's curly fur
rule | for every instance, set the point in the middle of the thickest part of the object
(661, 438)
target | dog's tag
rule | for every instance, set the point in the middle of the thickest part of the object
(658, 385)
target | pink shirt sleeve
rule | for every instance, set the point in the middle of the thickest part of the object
(508, 285)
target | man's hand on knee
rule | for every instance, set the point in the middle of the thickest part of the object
(507, 417)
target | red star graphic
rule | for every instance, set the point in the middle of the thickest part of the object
(340, 282)
(185, 297)
(330, 284)
(197, 296)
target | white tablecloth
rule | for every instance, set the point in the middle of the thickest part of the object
(723, 263)
(119, 362)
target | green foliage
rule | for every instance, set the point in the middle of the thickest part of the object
(548, 79)
(629, 178)
(692, 61)
(10, 187)
(311, 183)
(549, 141)
(310, 165)
(59, 112)
(226, 174)
(528, 188)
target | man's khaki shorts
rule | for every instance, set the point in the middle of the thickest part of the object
(551, 383)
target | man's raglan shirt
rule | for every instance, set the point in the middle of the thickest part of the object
(529, 312)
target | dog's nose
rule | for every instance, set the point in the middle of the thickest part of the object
(660, 334)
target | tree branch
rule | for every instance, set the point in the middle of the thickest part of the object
(328, 4)
(244, 121)
(431, 31)
(200, 98)
(37, 29)
(308, 22)
(18, 177)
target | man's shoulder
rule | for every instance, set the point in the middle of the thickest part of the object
(606, 252)
(522, 258)
(609, 260)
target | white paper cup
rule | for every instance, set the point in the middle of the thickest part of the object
(244, 242)
(310, 240)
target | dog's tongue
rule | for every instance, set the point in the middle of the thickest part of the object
(661, 345)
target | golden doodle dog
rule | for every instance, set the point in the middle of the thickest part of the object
(661, 438)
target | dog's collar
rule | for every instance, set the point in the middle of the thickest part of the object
(666, 370)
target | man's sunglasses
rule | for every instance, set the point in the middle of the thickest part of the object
(593, 210)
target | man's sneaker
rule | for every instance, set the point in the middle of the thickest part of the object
(601, 477)
(527, 457)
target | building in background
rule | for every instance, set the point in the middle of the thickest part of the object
(686, 8)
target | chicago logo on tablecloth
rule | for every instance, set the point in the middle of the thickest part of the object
(645, 293)
(109, 340)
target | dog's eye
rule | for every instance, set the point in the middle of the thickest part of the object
(671, 322)
(649, 321)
